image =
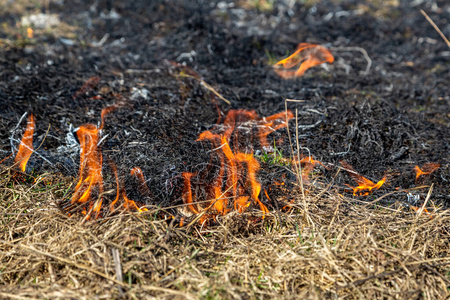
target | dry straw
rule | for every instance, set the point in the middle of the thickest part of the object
(351, 251)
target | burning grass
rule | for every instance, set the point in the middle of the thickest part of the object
(307, 56)
(335, 247)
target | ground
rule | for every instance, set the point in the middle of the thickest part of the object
(174, 69)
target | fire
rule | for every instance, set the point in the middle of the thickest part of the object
(364, 183)
(26, 145)
(243, 120)
(308, 163)
(307, 55)
(271, 124)
(90, 173)
(90, 181)
(29, 32)
(235, 185)
(88, 85)
(427, 169)
(131, 205)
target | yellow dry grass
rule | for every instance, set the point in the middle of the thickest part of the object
(336, 249)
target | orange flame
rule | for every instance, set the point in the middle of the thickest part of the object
(187, 191)
(265, 125)
(308, 55)
(143, 188)
(424, 211)
(308, 163)
(90, 173)
(26, 145)
(111, 206)
(364, 183)
(88, 85)
(236, 184)
(216, 191)
(271, 124)
(427, 169)
(29, 32)
(130, 204)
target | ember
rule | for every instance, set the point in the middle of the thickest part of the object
(235, 185)
(26, 145)
(364, 183)
(307, 55)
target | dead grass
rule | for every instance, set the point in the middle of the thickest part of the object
(340, 250)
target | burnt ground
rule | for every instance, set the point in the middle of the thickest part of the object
(382, 116)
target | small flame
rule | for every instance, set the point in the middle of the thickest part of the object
(255, 186)
(111, 206)
(427, 169)
(424, 211)
(29, 32)
(143, 188)
(88, 85)
(128, 204)
(187, 192)
(90, 173)
(236, 184)
(267, 125)
(26, 145)
(308, 163)
(364, 183)
(307, 55)
(131, 205)
(271, 124)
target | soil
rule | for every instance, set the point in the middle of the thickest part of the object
(383, 115)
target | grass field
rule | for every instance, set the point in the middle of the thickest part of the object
(325, 246)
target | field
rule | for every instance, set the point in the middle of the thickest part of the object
(173, 158)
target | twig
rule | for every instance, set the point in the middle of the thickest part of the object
(426, 201)
(207, 86)
(118, 267)
(364, 53)
(435, 27)
(13, 131)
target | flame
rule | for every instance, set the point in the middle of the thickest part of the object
(88, 85)
(187, 191)
(424, 211)
(26, 145)
(271, 124)
(308, 55)
(364, 183)
(111, 206)
(29, 32)
(235, 185)
(267, 125)
(427, 169)
(143, 188)
(130, 204)
(90, 173)
(255, 186)
(308, 163)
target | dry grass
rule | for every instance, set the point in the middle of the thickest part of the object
(340, 249)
